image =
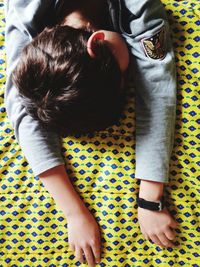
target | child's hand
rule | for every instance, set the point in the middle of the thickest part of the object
(156, 225)
(84, 237)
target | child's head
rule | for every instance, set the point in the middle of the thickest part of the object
(64, 87)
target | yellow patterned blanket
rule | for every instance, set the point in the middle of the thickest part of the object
(33, 231)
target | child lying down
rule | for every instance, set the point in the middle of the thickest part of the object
(67, 74)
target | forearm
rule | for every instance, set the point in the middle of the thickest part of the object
(150, 190)
(58, 184)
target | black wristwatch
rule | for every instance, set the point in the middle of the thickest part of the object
(150, 205)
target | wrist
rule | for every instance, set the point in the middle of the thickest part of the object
(150, 190)
(77, 209)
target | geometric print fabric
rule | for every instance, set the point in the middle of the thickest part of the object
(33, 230)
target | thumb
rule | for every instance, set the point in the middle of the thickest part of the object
(173, 224)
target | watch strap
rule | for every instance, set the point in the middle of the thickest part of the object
(151, 205)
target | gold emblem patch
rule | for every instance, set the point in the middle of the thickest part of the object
(154, 46)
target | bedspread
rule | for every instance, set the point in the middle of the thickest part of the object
(33, 230)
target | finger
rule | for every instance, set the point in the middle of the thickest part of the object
(79, 254)
(173, 224)
(89, 256)
(156, 240)
(71, 247)
(96, 249)
(169, 234)
(165, 241)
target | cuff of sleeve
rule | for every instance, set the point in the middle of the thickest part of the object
(37, 170)
(144, 174)
(151, 179)
(153, 154)
(152, 166)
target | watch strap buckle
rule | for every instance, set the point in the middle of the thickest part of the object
(160, 206)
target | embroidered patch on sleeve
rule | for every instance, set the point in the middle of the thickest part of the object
(154, 46)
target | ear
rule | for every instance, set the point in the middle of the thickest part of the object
(98, 35)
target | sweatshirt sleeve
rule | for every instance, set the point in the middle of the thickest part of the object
(42, 149)
(154, 74)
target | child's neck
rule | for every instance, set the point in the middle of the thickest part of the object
(81, 13)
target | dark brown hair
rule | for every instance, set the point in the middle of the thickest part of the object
(63, 87)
